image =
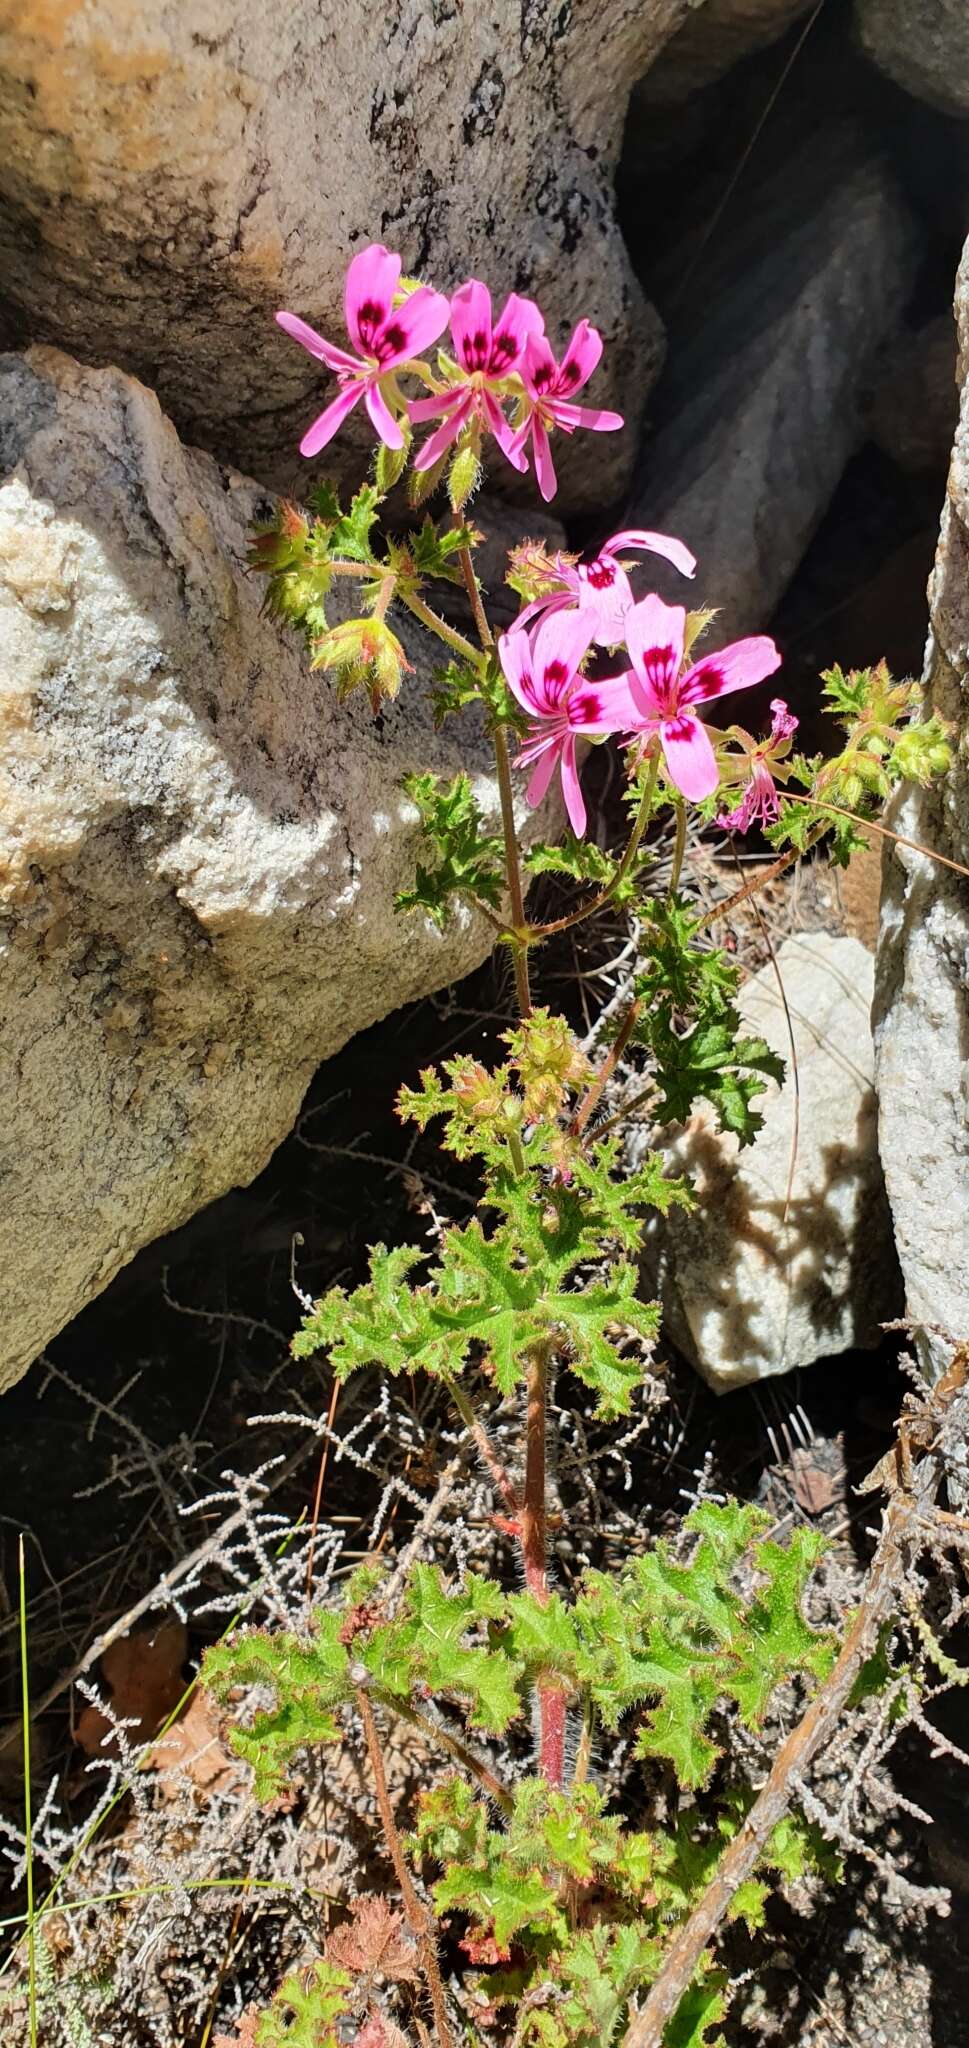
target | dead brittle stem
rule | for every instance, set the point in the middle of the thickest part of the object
(416, 1914)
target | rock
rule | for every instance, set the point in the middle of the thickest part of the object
(747, 1295)
(169, 177)
(759, 410)
(922, 993)
(714, 37)
(200, 847)
(925, 49)
(913, 407)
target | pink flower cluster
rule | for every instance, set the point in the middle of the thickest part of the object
(498, 361)
(654, 699)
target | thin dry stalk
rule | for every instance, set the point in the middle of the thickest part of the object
(415, 1913)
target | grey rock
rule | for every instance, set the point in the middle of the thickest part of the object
(922, 995)
(913, 407)
(924, 48)
(772, 1271)
(714, 37)
(199, 847)
(170, 176)
(760, 408)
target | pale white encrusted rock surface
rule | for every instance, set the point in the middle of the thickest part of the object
(198, 847)
(170, 175)
(922, 996)
(748, 1294)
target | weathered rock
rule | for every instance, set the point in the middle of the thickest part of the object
(913, 407)
(760, 406)
(922, 995)
(171, 176)
(713, 38)
(924, 48)
(748, 1294)
(199, 846)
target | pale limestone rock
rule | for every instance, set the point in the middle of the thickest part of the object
(761, 409)
(198, 847)
(922, 996)
(170, 175)
(747, 1294)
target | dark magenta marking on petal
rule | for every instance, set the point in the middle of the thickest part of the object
(390, 342)
(369, 318)
(504, 348)
(570, 374)
(542, 377)
(601, 575)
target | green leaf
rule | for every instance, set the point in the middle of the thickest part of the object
(468, 860)
(702, 2007)
(310, 1680)
(306, 2010)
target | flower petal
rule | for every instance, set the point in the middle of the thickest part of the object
(420, 409)
(572, 416)
(538, 366)
(381, 418)
(571, 788)
(330, 421)
(604, 705)
(654, 636)
(555, 601)
(557, 649)
(515, 656)
(544, 466)
(654, 544)
(421, 320)
(447, 432)
(368, 294)
(334, 358)
(582, 356)
(471, 325)
(605, 589)
(737, 667)
(511, 444)
(518, 320)
(689, 755)
(547, 762)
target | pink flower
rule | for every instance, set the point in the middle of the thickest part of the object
(543, 672)
(602, 587)
(665, 698)
(549, 387)
(385, 336)
(487, 351)
(760, 801)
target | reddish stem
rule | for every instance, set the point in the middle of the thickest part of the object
(534, 1519)
(608, 1068)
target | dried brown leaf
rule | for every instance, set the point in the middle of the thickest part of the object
(374, 1943)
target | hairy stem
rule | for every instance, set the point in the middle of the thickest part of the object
(481, 1437)
(534, 1522)
(607, 1068)
(476, 1765)
(679, 849)
(449, 634)
(516, 895)
(768, 874)
(415, 1913)
(564, 924)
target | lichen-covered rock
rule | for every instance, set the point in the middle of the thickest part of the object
(170, 175)
(922, 997)
(760, 404)
(772, 1271)
(199, 847)
(923, 47)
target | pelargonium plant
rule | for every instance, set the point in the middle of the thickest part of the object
(533, 1911)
